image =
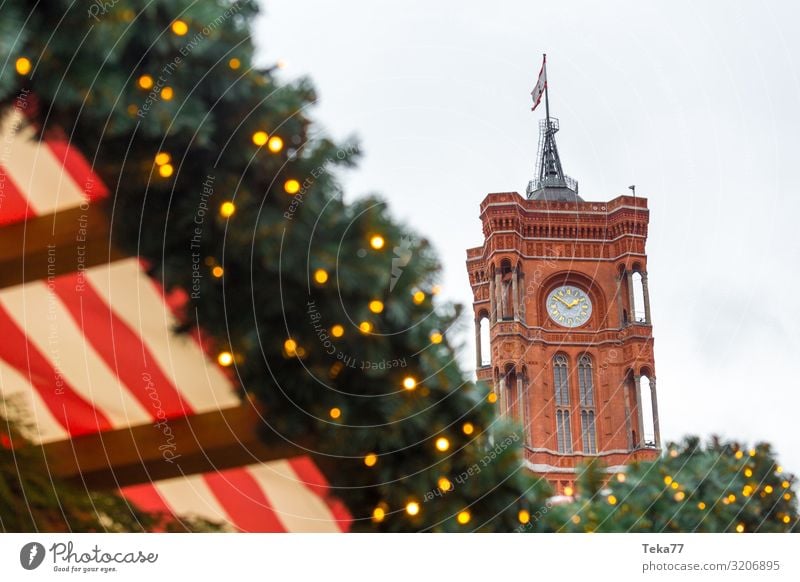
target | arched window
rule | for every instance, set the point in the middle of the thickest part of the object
(638, 298)
(561, 387)
(560, 380)
(485, 341)
(586, 386)
(585, 381)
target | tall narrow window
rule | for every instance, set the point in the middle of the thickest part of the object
(560, 380)
(586, 389)
(588, 434)
(585, 381)
(561, 386)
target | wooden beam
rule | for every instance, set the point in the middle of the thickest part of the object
(55, 244)
(211, 441)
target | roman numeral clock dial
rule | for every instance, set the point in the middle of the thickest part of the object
(569, 306)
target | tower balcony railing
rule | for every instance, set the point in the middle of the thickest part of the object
(552, 182)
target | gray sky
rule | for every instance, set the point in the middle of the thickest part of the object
(694, 102)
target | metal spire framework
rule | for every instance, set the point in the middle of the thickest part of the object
(551, 182)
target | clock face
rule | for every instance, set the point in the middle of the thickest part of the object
(569, 306)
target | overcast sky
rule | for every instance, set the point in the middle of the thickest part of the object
(697, 103)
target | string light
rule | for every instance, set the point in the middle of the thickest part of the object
(275, 144)
(167, 93)
(468, 428)
(225, 359)
(752, 452)
(260, 138)
(779, 469)
(786, 519)
(378, 514)
(492, 397)
(680, 496)
(739, 454)
(701, 506)
(444, 484)
(365, 327)
(227, 209)
(337, 330)
(675, 485)
(335, 413)
(442, 444)
(463, 517)
(673, 453)
(740, 528)
(768, 489)
(290, 346)
(218, 271)
(612, 499)
(418, 297)
(436, 337)
(731, 498)
(748, 472)
(621, 477)
(23, 65)
(180, 28)
(166, 170)
(376, 306)
(785, 484)
(568, 491)
(234, 63)
(377, 242)
(409, 382)
(146, 82)
(321, 276)
(291, 186)
(162, 158)
(747, 490)
(787, 496)
(371, 459)
(576, 519)
(412, 508)
(667, 480)
(524, 516)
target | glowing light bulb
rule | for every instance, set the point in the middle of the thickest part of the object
(412, 508)
(217, 271)
(463, 517)
(444, 484)
(378, 514)
(376, 306)
(167, 93)
(667, 480)
(337, 330)
(227, 209)
(418, 297)
(162, 158)
(370, 460)
(377, 242)
(291, 186)
(621, 477)
(260, 138)
(612, 499)
(166, 170)
(146, 82)
(436, 337)
(701, 506)
(492, 397)
(23, 65)
(524, 516)
(180, 28)
(568, 491)
(768, 489)
(290, 346)
(275, 144)
(234, 63)
(468, 428)
(335, 412)
(409, 383)
(321, 276)
(680, 496)
(748, 472)
(740, 528)
(442, 444)
(365, 327)
(225, 358)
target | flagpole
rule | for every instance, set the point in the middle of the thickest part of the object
(546, 93)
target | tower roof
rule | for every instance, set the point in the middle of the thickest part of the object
(551, 183)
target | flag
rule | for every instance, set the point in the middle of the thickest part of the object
(541, 85)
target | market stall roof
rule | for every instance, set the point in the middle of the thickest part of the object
(93, 352)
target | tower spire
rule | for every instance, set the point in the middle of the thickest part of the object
(551, 183)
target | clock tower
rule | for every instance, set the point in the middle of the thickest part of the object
(561, 298)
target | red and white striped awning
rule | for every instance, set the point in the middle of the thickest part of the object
(94, 350)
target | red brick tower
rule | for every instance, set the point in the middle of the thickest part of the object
(562, 285)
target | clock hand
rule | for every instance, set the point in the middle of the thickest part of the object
(562, 301)
(574, 303)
